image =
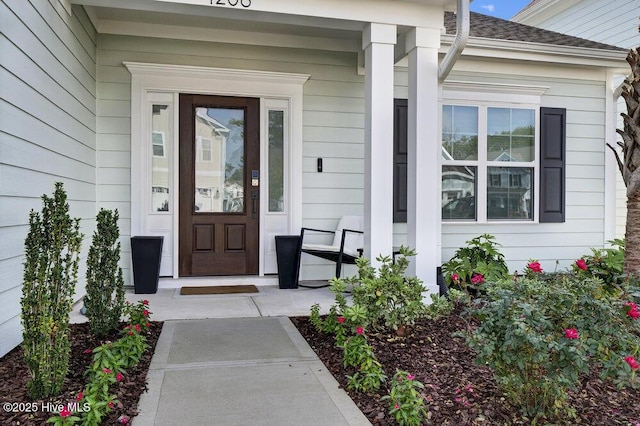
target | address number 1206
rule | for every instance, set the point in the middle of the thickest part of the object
(232, 3)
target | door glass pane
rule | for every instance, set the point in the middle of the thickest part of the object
(459, 132)
(509, 193)
(219, 160)
(458, 193)
(160, 135)
(276, 161)
(511, 134)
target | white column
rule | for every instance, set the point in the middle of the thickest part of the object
(424, 156)
(378, 42)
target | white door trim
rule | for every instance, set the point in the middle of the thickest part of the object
(166, 78)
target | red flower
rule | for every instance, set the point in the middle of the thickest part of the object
(340, 320)
(477, 279)
(145, 302)
(138, 327)
(106, 371)
(535, 267)
(632, 362)
(145, 312)
(111, 404)
(79, 397)
(410, 377)
(455, 278)
(396, 406)
(580, 263)
(119, 377)
(87, 351)
(359, 330)
(64, 413)
(634, 313)
(571, 333)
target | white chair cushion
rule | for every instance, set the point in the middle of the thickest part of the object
(353, 241)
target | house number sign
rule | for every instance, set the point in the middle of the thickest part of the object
(231, 3)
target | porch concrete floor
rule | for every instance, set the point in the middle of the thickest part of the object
(238, 360)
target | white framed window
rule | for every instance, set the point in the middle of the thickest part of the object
(157, 143)
(489, 161)
(206, 146)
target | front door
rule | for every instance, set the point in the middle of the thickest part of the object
(219, 185)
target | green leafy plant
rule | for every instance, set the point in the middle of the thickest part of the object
(406, 403)
(389, 298)
(52, 249)
(359, 354)
(440, 306)
(539, 339)
(479, 261)
(606, 264)
(105, 286)
(110, 360)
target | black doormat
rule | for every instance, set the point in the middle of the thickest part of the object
(224, 289)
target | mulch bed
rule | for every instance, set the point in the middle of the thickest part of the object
(458, 392)
(14, 377)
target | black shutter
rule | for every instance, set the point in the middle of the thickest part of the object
(399, 160)
(552, 164)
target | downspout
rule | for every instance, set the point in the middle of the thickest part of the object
(462, 35)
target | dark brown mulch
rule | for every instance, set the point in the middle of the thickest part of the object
(458, 392)
(14, 377)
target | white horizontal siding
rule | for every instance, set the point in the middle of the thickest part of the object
(47, 133)
(584, 226)
(613, 22)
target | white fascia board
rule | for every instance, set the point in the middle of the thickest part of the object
(543, 10)
(540, 52)
(407, 13)
(227, 36)
(498, 92)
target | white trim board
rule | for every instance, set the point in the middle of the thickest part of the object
(148, 78)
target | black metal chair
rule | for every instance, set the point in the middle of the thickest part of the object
(347, 246)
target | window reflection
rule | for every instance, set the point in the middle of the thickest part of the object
(509, 193)
(458, 193)
(160, 133)
(219, 162)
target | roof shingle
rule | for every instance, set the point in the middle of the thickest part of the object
(489, 27)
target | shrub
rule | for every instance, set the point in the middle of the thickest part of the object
(406, 404)
(479, 261)
(606, 264)
(389, 298)
(52, 249)
(540, 338)
(105, 286)
(359, 354)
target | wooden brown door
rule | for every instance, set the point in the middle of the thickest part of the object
(219, 185)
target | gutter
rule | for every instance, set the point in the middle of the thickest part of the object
(462, 35)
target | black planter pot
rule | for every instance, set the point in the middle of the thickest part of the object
(146, 253)
(288, 257)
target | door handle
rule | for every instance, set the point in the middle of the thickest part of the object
(254, 205)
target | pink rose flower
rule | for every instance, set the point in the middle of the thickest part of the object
(145, 312)
(477, 279)
(632, 362)
(571, 333)
(455, 278)
(535, 267)
(410, 377)
(87, 351)
(145, 302)
(64, 413)
(111, 404)
(359, 330)
(580, 263)
(119, 377)
(634, 313)
(138, 327)
(340, 320)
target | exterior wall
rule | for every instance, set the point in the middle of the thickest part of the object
(608, 21)
(584, 226)
(47, 133)
(333, 124)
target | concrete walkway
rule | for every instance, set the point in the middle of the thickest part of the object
(240, 371)
(238, 360)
